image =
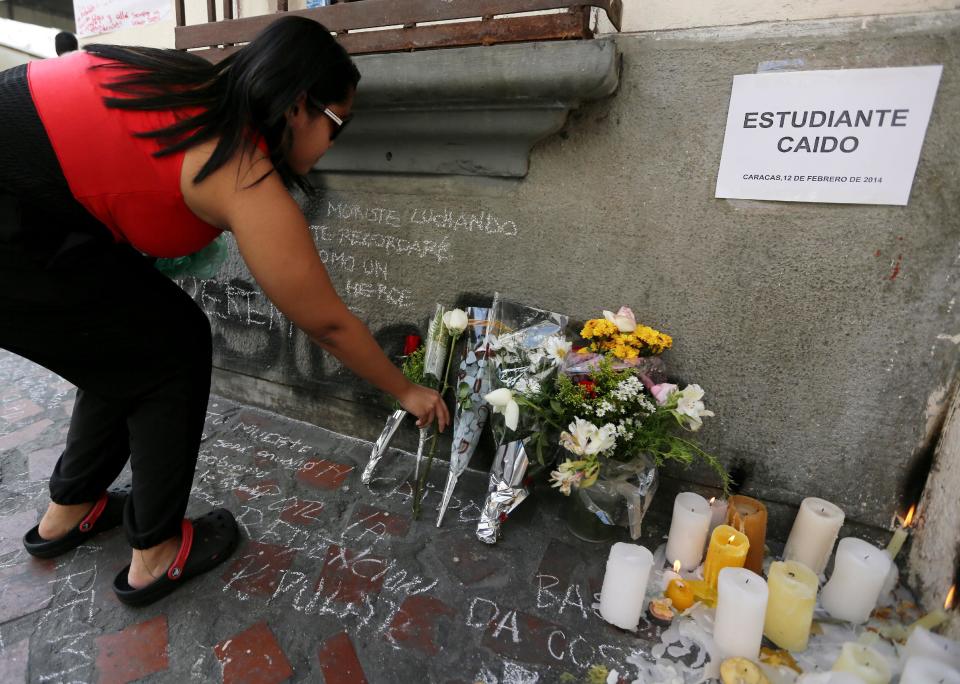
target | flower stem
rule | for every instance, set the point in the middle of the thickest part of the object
(422, 482)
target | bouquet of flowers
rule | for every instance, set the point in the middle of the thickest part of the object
(526, 349)
(622, 421)
(423, 365)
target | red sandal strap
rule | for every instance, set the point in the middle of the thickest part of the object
(91, 518)
(175, 571)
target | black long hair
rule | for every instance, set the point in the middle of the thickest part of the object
(247, 93)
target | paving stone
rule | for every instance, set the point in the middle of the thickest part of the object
(24, 589)
(13, 664)
(262, 488)
(302, 512)
(379, 522)
(43, 461)
(339, 662)
(258, 568)
(416, 624)
(471, 562)
(15, 411)
(24, 435)
(559, 561)
(348, 576)
(324, 474)
(133, 652)
(521, 636)
(253, 657)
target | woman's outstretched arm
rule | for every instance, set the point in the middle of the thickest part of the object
(275, 242)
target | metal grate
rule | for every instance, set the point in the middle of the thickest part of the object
(366, 26)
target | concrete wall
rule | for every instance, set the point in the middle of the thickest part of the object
(825, 335)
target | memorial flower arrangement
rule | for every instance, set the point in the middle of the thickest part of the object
(614, 411)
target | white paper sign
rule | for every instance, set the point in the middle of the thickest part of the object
(851, 136)
(95, 17)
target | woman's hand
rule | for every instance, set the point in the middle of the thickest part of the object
(426, 404)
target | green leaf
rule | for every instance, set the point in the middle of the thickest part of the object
(463, 390)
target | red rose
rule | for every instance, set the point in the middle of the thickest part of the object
(590, 387)
(411, 344)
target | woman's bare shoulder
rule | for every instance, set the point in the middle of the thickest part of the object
(214, 198)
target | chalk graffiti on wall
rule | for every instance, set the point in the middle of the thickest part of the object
(371, 254)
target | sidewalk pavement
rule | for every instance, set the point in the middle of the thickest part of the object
(333, 582)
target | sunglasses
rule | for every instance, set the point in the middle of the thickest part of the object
(340, 123)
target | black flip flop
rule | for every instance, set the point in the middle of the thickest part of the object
(206, 542)
(106, 514)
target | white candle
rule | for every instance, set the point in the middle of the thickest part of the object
(741, 607)
(814, 532)
(718, 514)
(858, 576)
(625, 584)
(830, 678)
(893, 578)
(688, 530)
(926, 644)
(864, 662)
(921, 670)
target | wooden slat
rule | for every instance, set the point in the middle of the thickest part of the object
(567, 26)
(211, 10)
(564, 26)
(375, 13)
(281, 5)
(180, 12)
(228, 9)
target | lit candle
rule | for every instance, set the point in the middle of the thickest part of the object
(741, 606)
(858, 576)
(864, 662)
(688, 530)
(728, 549)
(920, 670)
(814, 532)
(793, 595)
(924, 643)
(750, 517)
(680, 594)
(900, 534)
(625, 584)
(669, 575)
(718, 513)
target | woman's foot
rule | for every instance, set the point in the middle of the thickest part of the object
(149, 565)
(58, 520)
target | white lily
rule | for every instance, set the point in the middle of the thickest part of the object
(455, 321)
(605, 438)
(557, 348)
(577, 441)
(502, 401)
(565, 477)
(690, 406)
(624, 319)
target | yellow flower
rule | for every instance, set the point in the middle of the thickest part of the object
(598, 327)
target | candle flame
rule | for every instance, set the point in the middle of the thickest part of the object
(909, 518)
(712, 499)
(676, 566)
(732, 537)
(948, 604)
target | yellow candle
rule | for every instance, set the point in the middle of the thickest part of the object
(680, 593)
(728, 549)
(793, 594)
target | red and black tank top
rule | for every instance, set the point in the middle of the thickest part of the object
(113, 174)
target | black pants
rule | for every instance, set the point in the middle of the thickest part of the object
(98, 314)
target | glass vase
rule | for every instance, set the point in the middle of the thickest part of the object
(620, 497)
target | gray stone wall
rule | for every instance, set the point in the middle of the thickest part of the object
(824, 335)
